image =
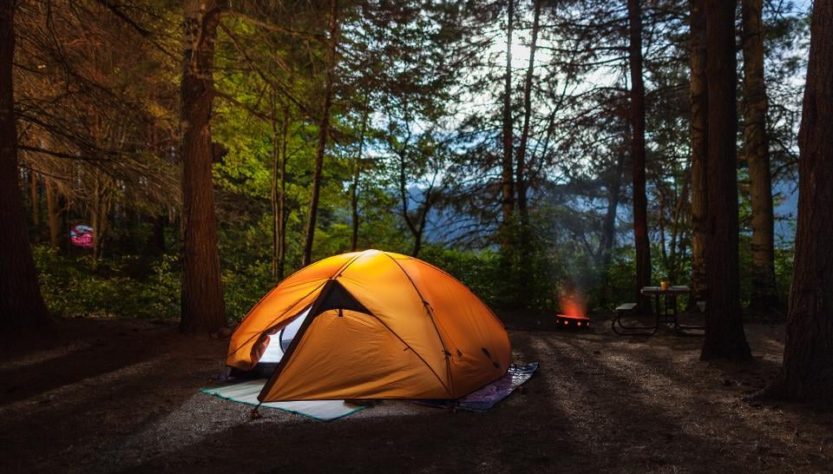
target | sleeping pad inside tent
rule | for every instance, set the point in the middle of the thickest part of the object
(370, 325)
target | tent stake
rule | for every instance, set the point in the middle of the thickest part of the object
(255, 415)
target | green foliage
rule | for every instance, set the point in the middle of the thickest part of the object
(617, 281)
(520, 276)
(416, 109)
(71, 287)
(784, 264)
(244, 286)
(479, 270)
(783, 260)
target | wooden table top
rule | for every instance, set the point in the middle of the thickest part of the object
(678, 289)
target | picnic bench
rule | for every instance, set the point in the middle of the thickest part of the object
(622, 329)
(665, 312)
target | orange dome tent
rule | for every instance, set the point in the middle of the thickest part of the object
(371, 325)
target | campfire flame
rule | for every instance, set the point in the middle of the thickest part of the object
(572, 304)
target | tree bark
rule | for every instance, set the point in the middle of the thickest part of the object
(808, 351)
(21, 303)
(614, 188)
(640, 200)
(53, 215)
(99, 213)
(282, 214)
(756, 151)
(678, 218)
(35, 198)
(354, 186)
(520, 170)
(507, 184)
(525, 235)
(280, 135)
(203, 308)
(607, 242)
(275, 184)
(506, 230)
(724, 338)
(415, 223)
(323, 131)
(273, 188)
(279, 147)
(698, 96)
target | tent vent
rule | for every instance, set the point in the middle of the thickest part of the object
(335, 296)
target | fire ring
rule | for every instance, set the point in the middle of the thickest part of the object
(563, 321)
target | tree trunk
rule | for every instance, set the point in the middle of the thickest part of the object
(417, 243)
(35, 198)
(419, 229)
(156, 239)
(698, 95)
(282, 214)
(507, 185)
(99, 213)
(203, 308)
(677, 246)
(608, 237)
(640, 201)
(95, 212)
(614, 188)
(520, 171)
(525, 235)
(724, 330)
(661, 226)
(53, 215)
(404, 201)
(21, 303)
(354, 186)
(506, 229)
(278, 195)
(275, 187)
(279, 147)
(323, 131)
(64, 209)
(756, 151)
(808, 351)
(414, 221)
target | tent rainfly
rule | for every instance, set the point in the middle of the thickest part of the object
(371, 325)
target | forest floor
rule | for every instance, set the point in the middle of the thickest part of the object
(119, 395)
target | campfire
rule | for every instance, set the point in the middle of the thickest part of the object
(573, 314)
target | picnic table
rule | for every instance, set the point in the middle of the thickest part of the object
(665, 311)
(665, 301)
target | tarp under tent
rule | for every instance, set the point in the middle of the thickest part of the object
(371, 325)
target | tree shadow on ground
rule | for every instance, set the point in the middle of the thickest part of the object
(708, 400)
(599, 402)
(523, 433)
(560, 420)
(102, 391)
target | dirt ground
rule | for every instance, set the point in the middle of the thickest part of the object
(106, 395)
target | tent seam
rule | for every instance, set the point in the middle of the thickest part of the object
(394, 334)
(467, 289)
(331, 277)
(278, 317)
(427, 307)
(439, 379)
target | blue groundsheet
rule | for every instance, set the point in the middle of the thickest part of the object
(490, 395)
